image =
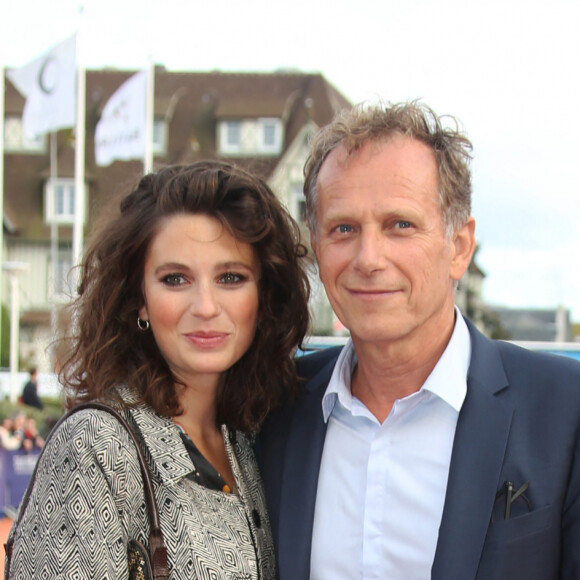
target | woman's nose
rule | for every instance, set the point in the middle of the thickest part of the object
(205, 303)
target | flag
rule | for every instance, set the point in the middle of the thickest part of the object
(49, 85)
(120, 132)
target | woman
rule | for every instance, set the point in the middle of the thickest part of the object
(191, 303)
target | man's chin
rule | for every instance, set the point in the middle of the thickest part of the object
(376, 333)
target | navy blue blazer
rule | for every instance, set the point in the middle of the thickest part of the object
(520, 422)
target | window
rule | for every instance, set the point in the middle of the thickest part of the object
(64, 200)
(250, 137)
(230, 136)
(270, 136)
(16, 142)
(62, 279)
(233, 134)
(159, 137)
(60, 201)
(60, 282)
(298, 203)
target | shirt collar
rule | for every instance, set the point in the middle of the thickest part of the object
(339, 385)
(448, 380)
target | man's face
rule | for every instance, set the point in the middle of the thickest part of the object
(384, 258)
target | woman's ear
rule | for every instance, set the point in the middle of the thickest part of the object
(143, 315)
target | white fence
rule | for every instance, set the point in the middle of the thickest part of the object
(48, 385)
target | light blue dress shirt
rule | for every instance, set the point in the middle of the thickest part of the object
(382, 486)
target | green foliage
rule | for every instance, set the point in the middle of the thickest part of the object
(5, 341)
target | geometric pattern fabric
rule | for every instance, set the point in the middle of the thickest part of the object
(88, 503)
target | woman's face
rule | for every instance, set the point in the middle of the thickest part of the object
(200, 286)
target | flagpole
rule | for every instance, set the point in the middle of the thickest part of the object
(2, 108)
(53, 242)
(149, 113)
(80, 139)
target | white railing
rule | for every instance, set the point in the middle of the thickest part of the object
(48, 385)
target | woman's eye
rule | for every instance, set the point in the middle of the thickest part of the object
(231, 278)
(173, 280)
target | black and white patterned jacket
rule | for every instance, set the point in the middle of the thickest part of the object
(88, 502)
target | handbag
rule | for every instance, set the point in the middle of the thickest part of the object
(144, 563)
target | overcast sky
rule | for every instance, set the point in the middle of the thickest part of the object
(508, 70)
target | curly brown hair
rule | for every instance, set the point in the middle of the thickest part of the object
(108, 349)
(352, 128)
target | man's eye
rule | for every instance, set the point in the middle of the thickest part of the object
(173, 280)
(231, 278)
(403, 225)
(343, 228)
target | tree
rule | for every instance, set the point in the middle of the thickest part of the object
(5, 342)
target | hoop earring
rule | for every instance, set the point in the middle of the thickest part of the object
(143, 325)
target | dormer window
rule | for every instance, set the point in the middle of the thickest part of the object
(298, 203)
(250, 137)
(270, 135)
(233, 135)
(159, 137)
(59, 201)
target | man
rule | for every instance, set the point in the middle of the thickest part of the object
(30, 392)
(421, 449)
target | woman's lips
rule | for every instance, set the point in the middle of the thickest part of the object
(207, 339)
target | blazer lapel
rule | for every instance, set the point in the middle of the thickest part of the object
(300, 479)
(476, 461)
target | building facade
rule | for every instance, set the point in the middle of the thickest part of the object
(262, 122)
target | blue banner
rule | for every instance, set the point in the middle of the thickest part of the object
(16, 468)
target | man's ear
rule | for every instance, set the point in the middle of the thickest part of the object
(463, 246)
(313, 244)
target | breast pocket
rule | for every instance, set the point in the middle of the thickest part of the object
(515, 529)
(523, 547)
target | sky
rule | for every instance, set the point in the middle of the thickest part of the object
(508, 70)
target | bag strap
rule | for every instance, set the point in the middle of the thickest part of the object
(157, 549)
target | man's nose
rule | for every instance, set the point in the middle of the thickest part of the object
(372, 251)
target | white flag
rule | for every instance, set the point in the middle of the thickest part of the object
(120, 132)
(49, 85)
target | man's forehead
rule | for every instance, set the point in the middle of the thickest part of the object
(343, 156)
(405, 157)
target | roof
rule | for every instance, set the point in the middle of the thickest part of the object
(192, 103)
